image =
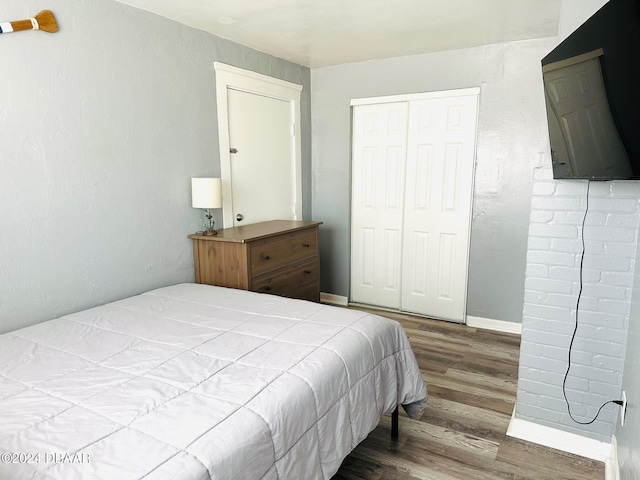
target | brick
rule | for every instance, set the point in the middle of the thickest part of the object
(625, 189)
(629, 205)
(622, 220)
(535, 413)
(553, 231)
(543, 173)
(549, 285)
(537, 243)
(607, 363)
(551, 378)
(534, 297)
(613, 306)
(570, 274)
(618, 278)
(531, 349)
(573, 245)
(546, 338)
(541, 216)
(608, 263)
(556, 353)
(620, 249)
(594, 247)
(570, 217)
(600, 389)
(594, 218)
(544, 325)
(541, 389)
(578, 189)
(611, 234)
(544, 188)
(594, 374)
(605, 291)
(556, 203)
(537, 270)
(559, 300)
(610, 320)
(551, 258)
(547, 312)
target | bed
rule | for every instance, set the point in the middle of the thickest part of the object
(195, 382)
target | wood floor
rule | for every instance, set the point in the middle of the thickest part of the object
(471, 377)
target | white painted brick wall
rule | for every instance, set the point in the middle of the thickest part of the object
(551, 291)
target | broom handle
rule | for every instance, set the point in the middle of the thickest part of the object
(18, 25)
(29, 24)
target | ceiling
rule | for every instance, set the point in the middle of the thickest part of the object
(318, 33)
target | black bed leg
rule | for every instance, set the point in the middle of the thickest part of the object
(394, 424)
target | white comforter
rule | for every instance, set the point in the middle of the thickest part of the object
(197, 382)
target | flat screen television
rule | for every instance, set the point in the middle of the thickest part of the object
(592, 95)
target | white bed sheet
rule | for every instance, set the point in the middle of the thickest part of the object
(197, 382)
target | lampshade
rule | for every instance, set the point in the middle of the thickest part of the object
(206, 192)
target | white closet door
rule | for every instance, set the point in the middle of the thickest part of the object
(437, 213)
(378, 164)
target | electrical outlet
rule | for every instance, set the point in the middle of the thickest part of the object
(623, 410)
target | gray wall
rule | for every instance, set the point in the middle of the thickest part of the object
(512, 140)
(628, 436)
(102, 125)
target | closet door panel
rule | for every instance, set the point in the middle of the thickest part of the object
(440, 163)
(378, 177)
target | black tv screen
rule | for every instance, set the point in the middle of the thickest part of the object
(592, 95)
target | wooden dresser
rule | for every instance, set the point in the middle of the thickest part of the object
(280, 257)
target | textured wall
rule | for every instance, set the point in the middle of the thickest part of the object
(551, 291)
(511, 141)
(628, 436)
(102, 125)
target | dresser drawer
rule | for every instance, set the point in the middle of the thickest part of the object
(278, 256)
(282, 250)
(286, 280)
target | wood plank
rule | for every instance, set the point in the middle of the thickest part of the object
(471, 377)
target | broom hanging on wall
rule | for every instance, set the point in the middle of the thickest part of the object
(43, 21)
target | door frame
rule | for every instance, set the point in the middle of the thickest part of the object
(408, 98)
(230, 77)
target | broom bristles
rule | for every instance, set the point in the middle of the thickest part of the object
(47, 21)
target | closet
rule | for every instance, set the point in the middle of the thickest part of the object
(412, 188)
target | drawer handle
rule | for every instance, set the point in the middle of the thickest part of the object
(266, 257)
(307, 272)
(306, 245)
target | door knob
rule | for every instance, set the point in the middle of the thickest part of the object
(239, 217)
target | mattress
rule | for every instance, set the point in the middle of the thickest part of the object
(196, 382)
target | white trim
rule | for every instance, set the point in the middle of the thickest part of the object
(332, 299)
(416, 96)
(230, 77)
(495, 325)
(558, 439)
(611, 465)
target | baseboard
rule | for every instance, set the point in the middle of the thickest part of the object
(495, 325)
(332, 299)
(559, 439)
(611, 466)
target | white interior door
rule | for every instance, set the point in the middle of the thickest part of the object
(261, 142)
(412, 188)
(258, 118)
(437, 214)
(379, 152)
